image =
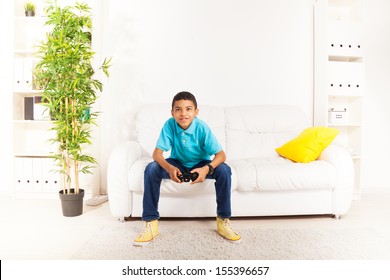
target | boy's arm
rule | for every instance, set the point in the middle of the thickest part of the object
(173, 171)
(219, 158)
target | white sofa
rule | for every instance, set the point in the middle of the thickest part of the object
(263, 183)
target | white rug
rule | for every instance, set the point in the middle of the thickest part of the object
(115, 243)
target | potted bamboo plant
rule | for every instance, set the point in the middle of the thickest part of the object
(66, 74)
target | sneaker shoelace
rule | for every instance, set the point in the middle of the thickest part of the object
(148, 227)
(228, 227)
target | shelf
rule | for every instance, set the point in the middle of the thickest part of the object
(34, 18)
(32, 155)
(345, 95)
(27, 93)
(33, 122)
(345, 124)
(21, 52)
(345, 58)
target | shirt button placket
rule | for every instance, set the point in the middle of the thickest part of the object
(184, 140)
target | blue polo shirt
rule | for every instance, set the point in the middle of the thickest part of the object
(189, 146)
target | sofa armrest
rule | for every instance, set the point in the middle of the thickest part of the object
(121, 159)
(341, 159)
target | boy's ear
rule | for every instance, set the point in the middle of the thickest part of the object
(196, 111)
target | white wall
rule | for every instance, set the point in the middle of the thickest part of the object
(234, 52)
(376, 116)
(226, 52)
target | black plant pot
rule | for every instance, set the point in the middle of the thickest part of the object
(29, 13)
(72, 204)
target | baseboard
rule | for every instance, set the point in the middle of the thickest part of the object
(37, 195)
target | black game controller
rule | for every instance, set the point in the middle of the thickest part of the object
(186, 177)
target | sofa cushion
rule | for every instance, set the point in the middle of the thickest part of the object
(309, 144)
(255, 131)
(280, 174)
(136, 182)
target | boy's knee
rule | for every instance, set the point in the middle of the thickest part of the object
(152, 167)
(224, 170)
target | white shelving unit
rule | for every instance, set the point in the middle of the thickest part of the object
(339, 73)
(31, 131)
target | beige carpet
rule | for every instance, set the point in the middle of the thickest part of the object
(115, 243)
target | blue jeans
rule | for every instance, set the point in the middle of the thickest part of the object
(154, 174)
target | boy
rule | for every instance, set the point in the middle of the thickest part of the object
(191, 143)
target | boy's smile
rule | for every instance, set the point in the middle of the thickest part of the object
(184, 112)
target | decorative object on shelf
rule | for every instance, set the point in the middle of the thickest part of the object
(66, 74)
(29, 9)
(337, 116)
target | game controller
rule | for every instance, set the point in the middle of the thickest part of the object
(186, 177)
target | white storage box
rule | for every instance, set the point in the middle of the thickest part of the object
(337, 116)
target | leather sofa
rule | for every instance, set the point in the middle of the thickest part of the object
(263, 182)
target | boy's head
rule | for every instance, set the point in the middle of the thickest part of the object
(184, 95)
(184, 108)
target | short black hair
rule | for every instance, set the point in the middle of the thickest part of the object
(184, 95)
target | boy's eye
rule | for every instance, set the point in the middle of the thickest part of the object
(187, 109)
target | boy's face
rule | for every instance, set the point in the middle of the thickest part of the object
(184, 112)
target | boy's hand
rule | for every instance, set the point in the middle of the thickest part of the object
(202, 171)
(174, 172)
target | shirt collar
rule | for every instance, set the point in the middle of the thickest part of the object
(190, 129)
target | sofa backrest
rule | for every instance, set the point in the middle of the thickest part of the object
(255, 131)
(150, 119)
(243, 131)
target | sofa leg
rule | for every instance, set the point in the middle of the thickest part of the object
(337, 216)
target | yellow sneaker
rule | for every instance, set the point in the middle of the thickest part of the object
(225, 230)
(149, 232)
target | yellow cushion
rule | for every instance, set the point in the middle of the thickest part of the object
(309, 144)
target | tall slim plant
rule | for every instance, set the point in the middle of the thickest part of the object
(66, 74)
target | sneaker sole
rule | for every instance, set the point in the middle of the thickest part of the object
(144, 243)
(232, 241)
(227, 239)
